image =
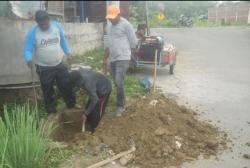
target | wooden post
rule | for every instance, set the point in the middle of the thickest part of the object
(236, 13)
(216, 15)
(155, 70)
(147, 21)
(248, 19)
(225, 14)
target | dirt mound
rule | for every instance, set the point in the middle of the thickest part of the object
(164, 133)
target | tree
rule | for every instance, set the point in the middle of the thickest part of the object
(171, 9)
(137, 11)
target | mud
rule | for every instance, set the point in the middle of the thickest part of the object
(67, 124)
(164, 133)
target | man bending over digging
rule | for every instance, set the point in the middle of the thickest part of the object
(98, 88)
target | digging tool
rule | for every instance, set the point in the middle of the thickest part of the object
(83, 123)
(155, 70)
(34, 88)
(99, 164)
(147, 22)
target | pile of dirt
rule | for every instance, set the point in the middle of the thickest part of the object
(164, 133)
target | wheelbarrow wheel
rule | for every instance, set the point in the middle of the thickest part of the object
(171, 69)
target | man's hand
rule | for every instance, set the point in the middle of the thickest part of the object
(30, 64)
(69, 58)
(133, 53)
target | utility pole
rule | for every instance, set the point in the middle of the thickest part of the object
(147, 24)
(82, 18)
(248, 20)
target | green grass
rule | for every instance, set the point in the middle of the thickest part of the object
(59, 155)
(23, 139)
(163, 24)
(196, 23)
(92, 58)
(206, 23)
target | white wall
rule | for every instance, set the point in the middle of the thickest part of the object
(13, 69)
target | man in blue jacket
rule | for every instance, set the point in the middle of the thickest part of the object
(45, 41)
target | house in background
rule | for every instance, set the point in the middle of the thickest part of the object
(91, 11)
(64, 11)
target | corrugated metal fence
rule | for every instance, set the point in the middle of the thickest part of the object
(230, 14)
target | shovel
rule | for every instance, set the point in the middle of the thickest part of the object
(34, 89)
(83, 123)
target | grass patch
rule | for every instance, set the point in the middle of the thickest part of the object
(23, 140)
(59, 155)
(92, 58)
(206, 23)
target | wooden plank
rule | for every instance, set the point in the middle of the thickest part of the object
(99, 164)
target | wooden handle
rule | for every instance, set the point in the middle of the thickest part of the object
(112, 158)
(83, 125)
(155, 70)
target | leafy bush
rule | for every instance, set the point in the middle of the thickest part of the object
(23, 140)
(206, 23)
(164, 23)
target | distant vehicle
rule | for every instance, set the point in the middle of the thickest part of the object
(185, 21)
(202, 17)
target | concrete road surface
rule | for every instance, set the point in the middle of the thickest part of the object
(213, 75)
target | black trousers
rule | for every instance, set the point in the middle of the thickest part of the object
(57, 74)
(95, 116)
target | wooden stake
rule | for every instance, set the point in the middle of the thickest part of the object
(83, 123)
(83, 127)
(155, 70)
(99, 164)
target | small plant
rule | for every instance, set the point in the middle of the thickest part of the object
(23, 139)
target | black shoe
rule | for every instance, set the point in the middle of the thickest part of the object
(89, 128)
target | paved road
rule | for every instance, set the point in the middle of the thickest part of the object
(213, 75)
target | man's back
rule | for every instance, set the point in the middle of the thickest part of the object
(94, 81)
